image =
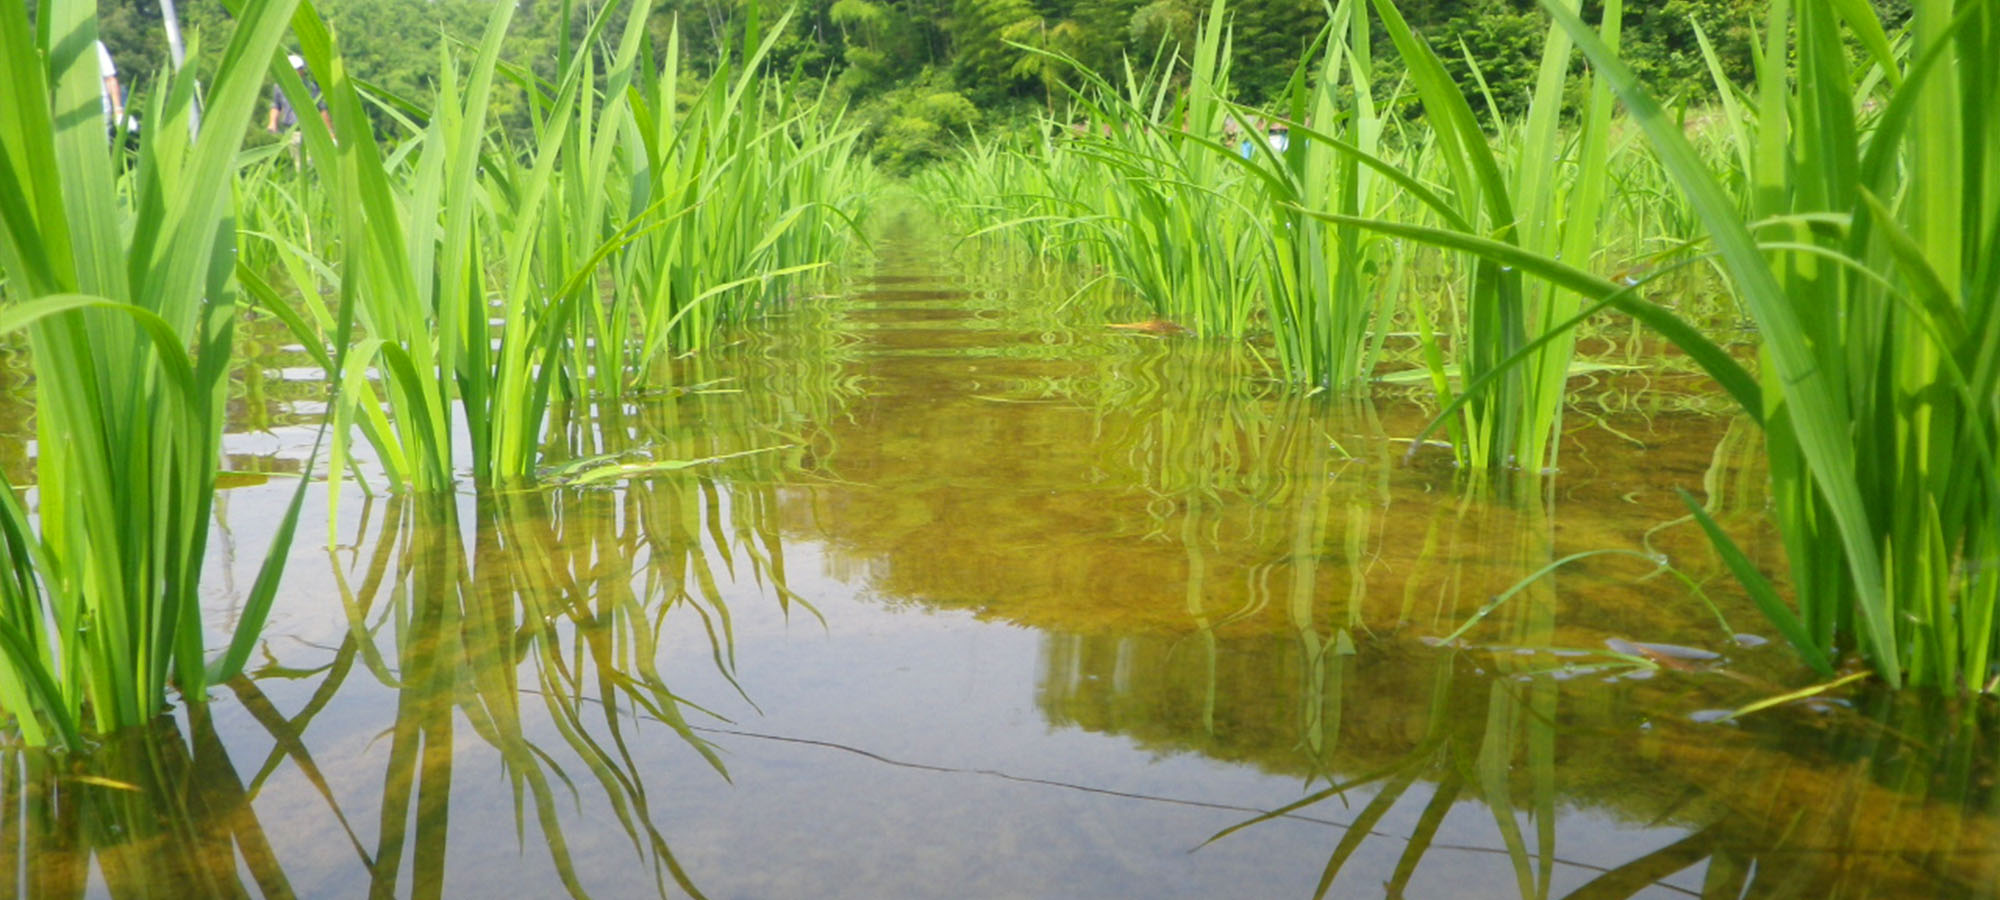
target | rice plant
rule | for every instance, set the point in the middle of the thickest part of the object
(1232, 233)
(493, 281)
(415, 268)
(1865, 252)
(753, 188)
(1861, 249)
(1536, 189)
(1322, 305)
(123, 282)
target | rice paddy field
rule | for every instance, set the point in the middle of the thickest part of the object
(1594, 503)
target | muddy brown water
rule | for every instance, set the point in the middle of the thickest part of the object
(996, 604)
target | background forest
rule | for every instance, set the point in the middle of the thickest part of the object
(919, 75)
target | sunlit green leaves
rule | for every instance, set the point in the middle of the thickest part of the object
(121, 276)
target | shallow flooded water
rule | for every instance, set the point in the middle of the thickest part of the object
(972, 602)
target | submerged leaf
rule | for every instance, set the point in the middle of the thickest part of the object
(621, 470)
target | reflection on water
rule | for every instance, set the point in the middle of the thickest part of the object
(1570, 791)
(528, 632)
(153, 812)
(943, 598)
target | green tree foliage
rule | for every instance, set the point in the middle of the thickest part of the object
(136, 36)
(1268, 38)
(981, 57)
(921, 74)
(1104, 30)
(884, 44)
(1163, 24)
(1499, 41)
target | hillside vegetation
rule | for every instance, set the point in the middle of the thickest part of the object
(920, 75)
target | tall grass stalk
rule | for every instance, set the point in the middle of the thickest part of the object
(493, 281)
(1236, 236)
(1318, 294)
(1866, 252)
(1863, 248)
(1546, 199)
(123, 280)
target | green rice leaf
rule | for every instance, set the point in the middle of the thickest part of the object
(1816, 399)
(1761, 592)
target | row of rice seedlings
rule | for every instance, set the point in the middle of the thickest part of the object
(708, 218)
(747, 189)
(1100, 196)
(625, 230)
(760, 188)
(1152, 185)
(120, 271)
(122, 278)
(1220, 237)
(1864, 250)
(1861, 246)
(1548, 201)
(1029, 193)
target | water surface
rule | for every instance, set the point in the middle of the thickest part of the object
(989, 603)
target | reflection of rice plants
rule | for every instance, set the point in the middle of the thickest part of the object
(765, 401)
(147, 809)
(460, 638)
(1753, 814)
(564, 597)
(1225, 468)
(1519, 729)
